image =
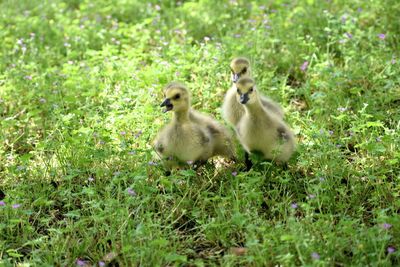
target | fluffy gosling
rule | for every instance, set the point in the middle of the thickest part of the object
(191, 136)
(232, 110)
(259, 129)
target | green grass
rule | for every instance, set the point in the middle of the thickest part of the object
(80, 85)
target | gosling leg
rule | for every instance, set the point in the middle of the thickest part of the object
(247, 161)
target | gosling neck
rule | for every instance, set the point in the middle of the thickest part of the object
(253, 108)
(181, 116)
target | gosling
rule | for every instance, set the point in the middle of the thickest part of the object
(191, 136)
(232, 110)
(261, 130)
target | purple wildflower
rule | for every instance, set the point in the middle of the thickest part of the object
(315, 256)
(237, 35)
(20, 168)
(16, 206)
(382, 36)
(304, 66)
(133, 152)
(321, 179)
(234, 173)
(131, 192)
(359, 9)
(349, 35)
(102, 263)
(393, 61)
(80, 262)
(139, 133)
(122, 133)
(157, 7)
(330, 132)
(2, 203)
(390, 250)
(42, 100)
(386, 226)
(28, 77)
(152, 163)
(294, 205)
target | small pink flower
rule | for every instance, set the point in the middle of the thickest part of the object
(16, 206)
(315, 256)
(102, 263)
(304, 66)
(391, 250)
(123, 133)
(386, 226)
(28, 77)
(2, 203)
(131, 192)
(382, 36)
(234, 173)
(294, 205)
(80, 262)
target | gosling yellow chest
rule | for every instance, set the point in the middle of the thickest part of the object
(187, 142)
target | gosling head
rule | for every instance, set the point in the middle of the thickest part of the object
(240, 68)
(246, 91)
(177, 97)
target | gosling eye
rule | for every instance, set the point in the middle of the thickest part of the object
(177, 96)
(251, 89)
(238, 91)
(244, 70)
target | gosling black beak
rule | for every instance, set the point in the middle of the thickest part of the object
(167, 104)
(235, 77)
(244, 98)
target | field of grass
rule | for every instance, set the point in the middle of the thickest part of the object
(80, 88)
